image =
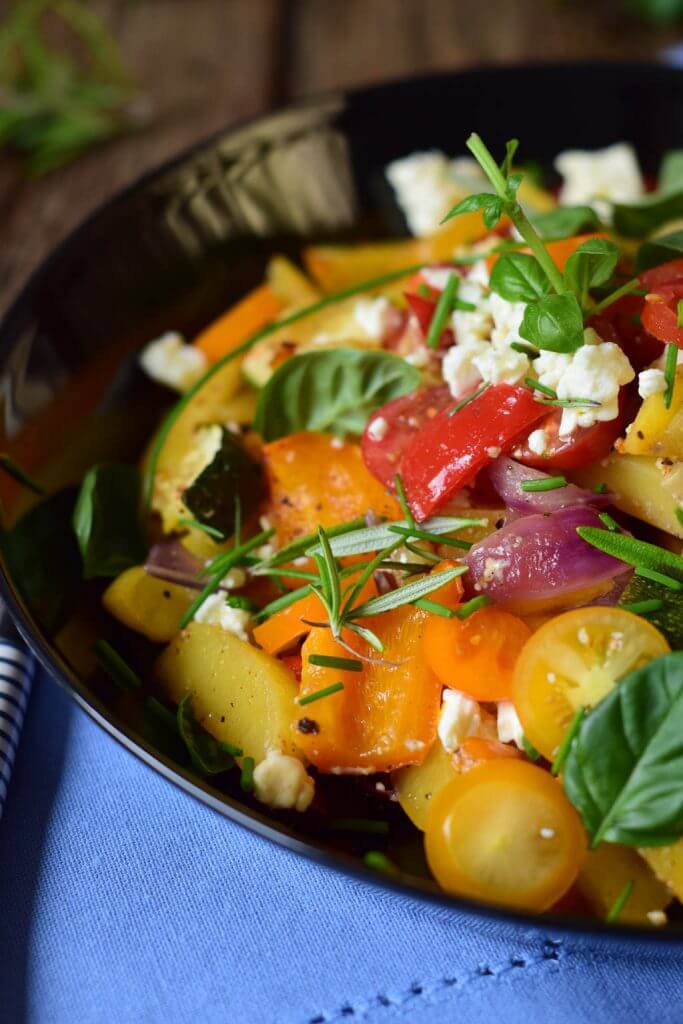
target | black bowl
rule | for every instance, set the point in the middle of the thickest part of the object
(184, 242)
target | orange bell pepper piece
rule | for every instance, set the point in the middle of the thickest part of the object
(247, 316)
(282, 630)
(315, 479)
(386, 715)
(475, 749)
(559, 251)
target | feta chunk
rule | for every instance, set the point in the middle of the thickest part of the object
(537, 442)
(378, 429)
(508, 724)
(597, 372)
(424, 189)
(507, 319)
(459, 368)
(169, 361)
(282, 782)
(460, 717)
(501, 365)
(436, 277)
(371, 315)
(651, 382)
(215, 612)
(600, 177)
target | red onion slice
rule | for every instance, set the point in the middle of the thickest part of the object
(506, 475)
(539, 556)
(171, 561)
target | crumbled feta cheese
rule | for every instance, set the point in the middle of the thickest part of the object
(436, 277)
(215, 612)
(596, 371)
(494, 569)
(458, 366)
(428, 184)
(470, 326)
(169, 361)
(419, 358)
(424, 189)
(460, 717)
(600, 177)
(501, 365)
(377, 430)
(651, 382)
(508, 724)
(479, 271)
(281, 781)
(537, 442)
(657, 917)
(371, 315)
(507, 319)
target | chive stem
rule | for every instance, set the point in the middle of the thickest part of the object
(433, 606)
(327, 661)
(194, 524)
(470, 607)
(442, 311)
(380, 862)
(466, 401)
(620, 902)
(434, 538)
(247, 776)
(659, 577)
(551, 483)
(653, 604)
(565, 745)
(670, 364)
(14, 470)
(114, 665)
(403, 501)
(536, 385)
(609, 522)
(310, 698)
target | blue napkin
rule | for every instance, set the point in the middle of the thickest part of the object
(124, 900)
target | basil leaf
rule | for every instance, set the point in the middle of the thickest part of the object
(43, 559)
(335, 391)
(554, 322)
(230, 476)
(625, 765)
(565, 222)
(670, 178)
(635, 220)
(659, 250)
(518, 277)
(206, 753)
(106, 520)
(591, 265)
(490, 205)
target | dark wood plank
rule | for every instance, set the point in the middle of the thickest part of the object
(201, 64)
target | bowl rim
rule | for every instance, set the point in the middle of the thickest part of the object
(551, 927)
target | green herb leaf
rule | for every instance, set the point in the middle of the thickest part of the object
(636, 220)
(635, 552)
(624, 767)
(554, 322)
(620, 902)
(442, 311)
(206, 753)
(376, 538)
(14, 470)
(473, 605)
(231, 477)
(550, 483)
(327, 691)
(565, 222)
(118, 670)
(663, 607)
(490, 205)
(659, 250)
(333, 391)
(409, 593)
(518, 277)
(591, 265)
(106, 520)
(670, 366)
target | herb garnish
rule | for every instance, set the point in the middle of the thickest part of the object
(466, 401)
(607, 520)
(118, 670)
(470, 607)
(380, 862)
(530, 750)
(638, 553)
(14, 470)
(443, 309)
(567, 740)
(327, 691)
(653, 604)
(670, 364)
(433, 606)
(208, 755)
(551, 483)
(327, 661)
(620, 902)
(247, 776)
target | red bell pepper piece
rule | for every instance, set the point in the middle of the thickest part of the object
(448, 451)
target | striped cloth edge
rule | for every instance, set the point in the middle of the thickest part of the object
(17, 668)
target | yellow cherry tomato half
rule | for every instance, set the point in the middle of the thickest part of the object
(505, 833)
(477, 654)
(574, 661)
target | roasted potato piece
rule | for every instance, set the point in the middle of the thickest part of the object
(146, 604)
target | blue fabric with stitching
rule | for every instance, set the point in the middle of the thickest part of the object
(123, 900)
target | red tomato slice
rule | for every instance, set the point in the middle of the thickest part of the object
(447, 452)
(584, 445)
(404, 417)
(660, 310)
(422, 308)
(665, 273)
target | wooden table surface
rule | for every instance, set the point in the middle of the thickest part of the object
(202, 64)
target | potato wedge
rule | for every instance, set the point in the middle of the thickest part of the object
(417, 785)
(604, 873)
(146, 604)
(667, 864)
(240, 694)
(642, 485)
